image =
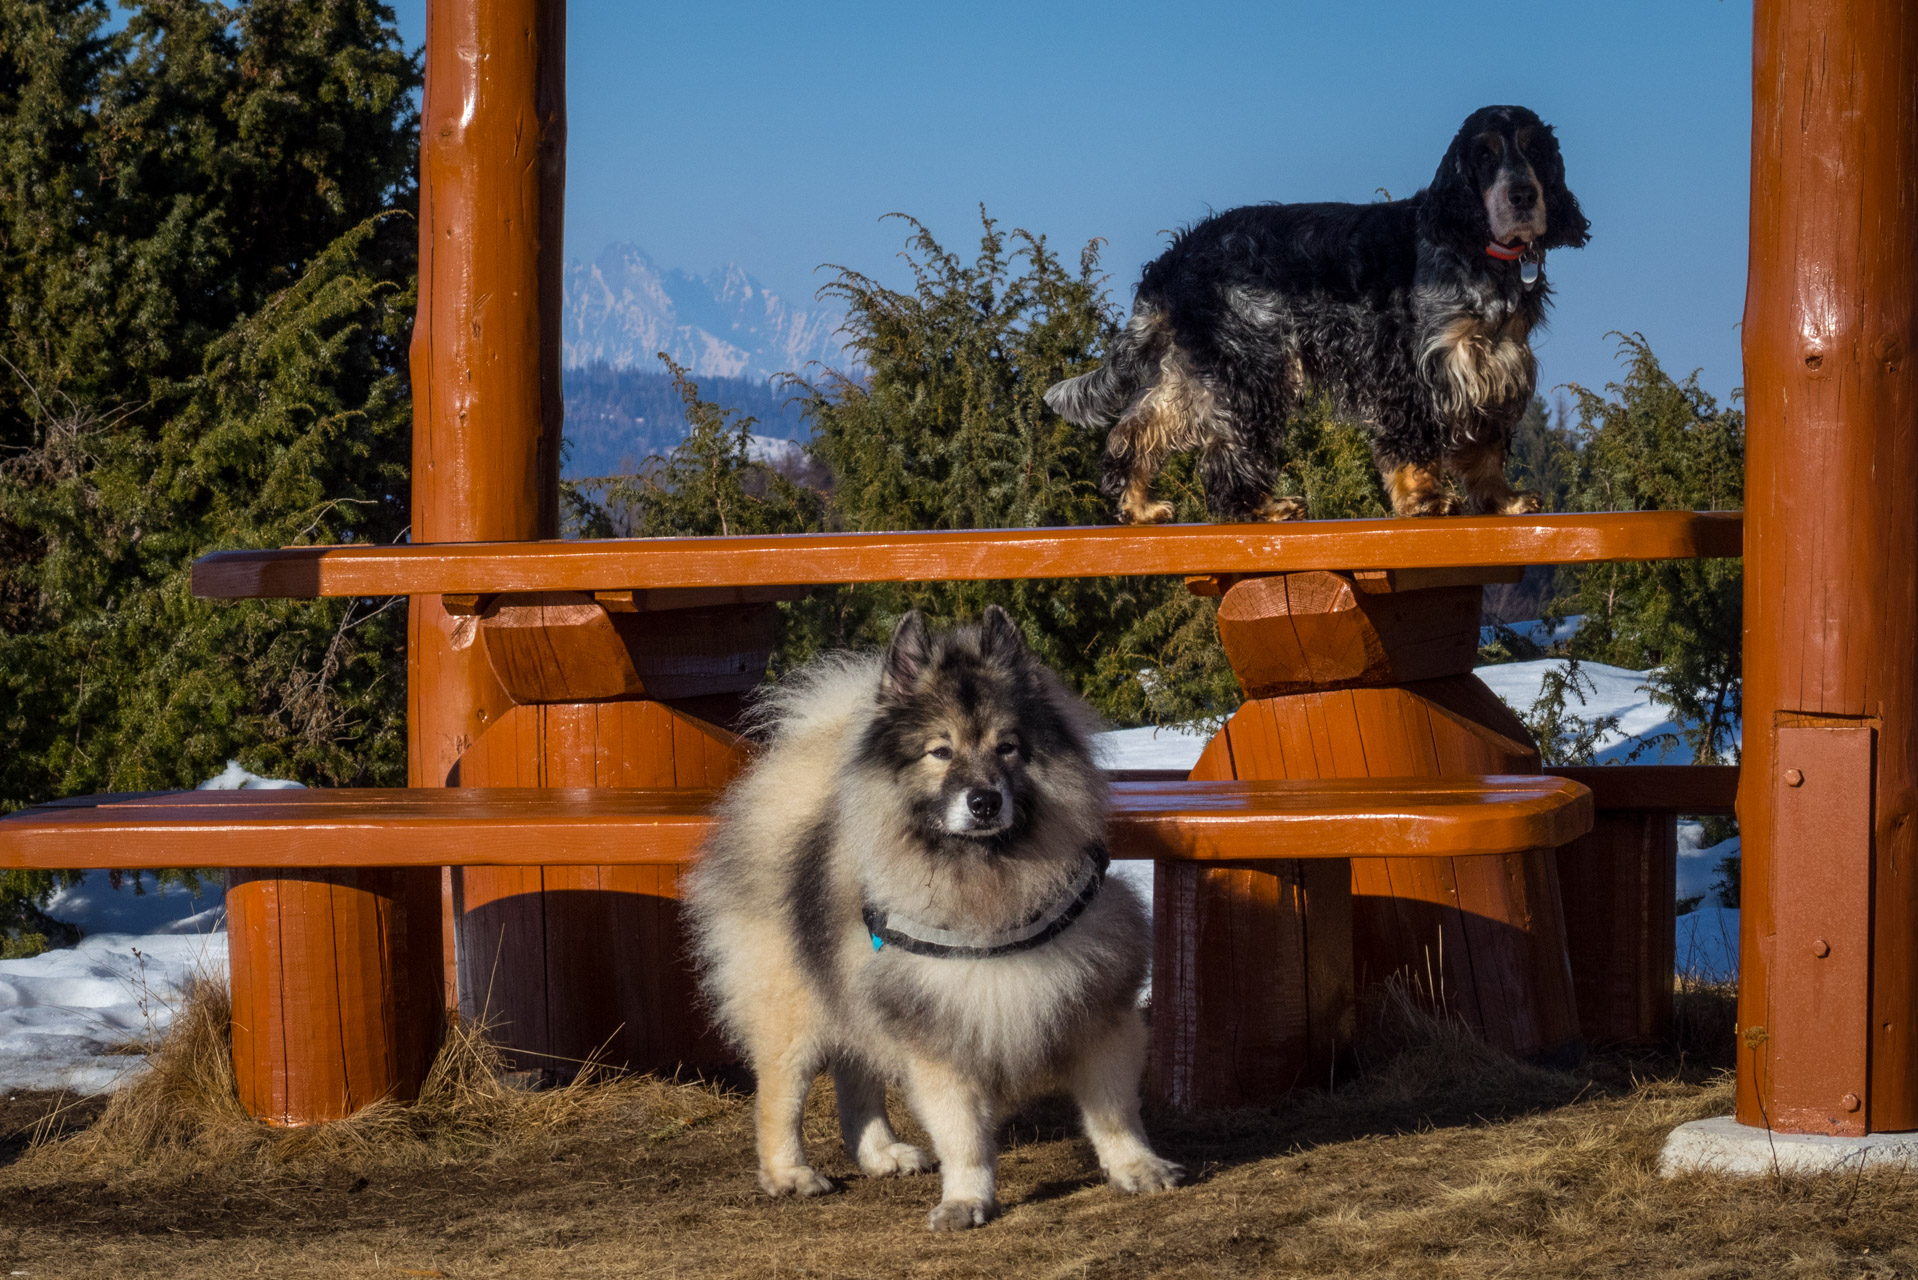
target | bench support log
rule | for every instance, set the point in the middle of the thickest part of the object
(336, 982)
(1619, 887)
(568, 963)
(1356, 685)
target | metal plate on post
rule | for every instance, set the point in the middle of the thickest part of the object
(1821, 953)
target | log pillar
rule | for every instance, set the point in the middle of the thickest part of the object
(1352, 676)
(487, 400)
(1619, 887)
(486, 433)
(335, 980)
(613, 689)
(1828, 990)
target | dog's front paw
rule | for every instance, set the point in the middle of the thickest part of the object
(1145, 513)
(896, 1160)
(960, 1215)
(1275, 510)
(1438, 504)
(799, 1180)
(1147, 1173)
(1520, 504)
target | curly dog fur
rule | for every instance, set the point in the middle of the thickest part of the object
(1415, 316)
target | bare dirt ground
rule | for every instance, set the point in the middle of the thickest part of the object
(1442, 1160)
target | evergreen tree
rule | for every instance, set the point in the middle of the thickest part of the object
(948, 429)
(206, 310)
(1655, 444)
(710, 484)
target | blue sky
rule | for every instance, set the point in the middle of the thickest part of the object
(776, 135)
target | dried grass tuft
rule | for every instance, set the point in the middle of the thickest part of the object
(185, 1108)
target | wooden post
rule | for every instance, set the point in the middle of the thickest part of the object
(572, 963)
(1349, 677)
(335, 980)
(487, 409)
(1618, 886)
(486, 430)
(487, 403)
(1828, 991)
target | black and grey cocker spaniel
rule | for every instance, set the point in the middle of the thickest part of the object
(1415, 316)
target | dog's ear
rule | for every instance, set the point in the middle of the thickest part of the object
(1452, 211)
(1565, 224)
(1000, 639)
(906, 657)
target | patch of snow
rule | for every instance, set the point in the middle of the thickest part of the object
(1707, 949)
(1149, 748)
(1698, 867)
(61, 1009)
(234, 778)
(772, 451)
(1614, 691)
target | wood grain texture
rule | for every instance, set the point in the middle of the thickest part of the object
(1695, 790)
(1831, 582)
(567, 646)
(1618, 885)
(334, 977)
(1492, 929)
(485, 361)
(1251, 980)
(576, 959)
(967, 555)
(1300, 632)
(606, 826)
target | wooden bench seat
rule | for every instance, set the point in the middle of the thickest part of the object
(1198, 821)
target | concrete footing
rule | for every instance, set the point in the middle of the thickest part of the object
(1722, 1145)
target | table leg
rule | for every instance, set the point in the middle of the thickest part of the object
(568, 963)
(335, 977)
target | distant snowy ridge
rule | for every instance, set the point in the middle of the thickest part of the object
(622, 308)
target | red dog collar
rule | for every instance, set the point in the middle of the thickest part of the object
(1504, 253)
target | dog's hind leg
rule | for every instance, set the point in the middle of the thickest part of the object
(782, 1081)
(1417, 489)
(1481, 467)
(963, 1121)
(1238, 485)
(1134, 454)
(863, 1124)
(1104, 1080)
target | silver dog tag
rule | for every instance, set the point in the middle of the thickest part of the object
(1528, 272)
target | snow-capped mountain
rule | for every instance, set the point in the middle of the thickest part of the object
(623, 307)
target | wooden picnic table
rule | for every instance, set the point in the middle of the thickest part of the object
(621, 664)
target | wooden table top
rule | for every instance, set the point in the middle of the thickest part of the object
(428, 827)
(966, 555)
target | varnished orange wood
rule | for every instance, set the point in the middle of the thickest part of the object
(566, 646)
(487, 408)
(574, 961)
(967, 555)
(1490, 930)
(1691, 789)
(1617, 884)
(487, 826)
(1299, 632)
(1831, 581)
(333, 977)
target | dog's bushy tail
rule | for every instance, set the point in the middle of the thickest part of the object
(1091, 399)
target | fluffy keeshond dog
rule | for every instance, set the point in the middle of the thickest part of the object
(908, 888)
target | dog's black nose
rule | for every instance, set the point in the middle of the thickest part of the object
(1523, 195)
(983, 803)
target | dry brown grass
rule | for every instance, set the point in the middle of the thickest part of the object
(185, 1111)
(1442, 1159)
